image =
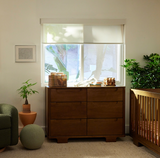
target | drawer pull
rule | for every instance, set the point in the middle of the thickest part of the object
(116, 89)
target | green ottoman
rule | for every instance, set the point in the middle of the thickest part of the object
(32, 136)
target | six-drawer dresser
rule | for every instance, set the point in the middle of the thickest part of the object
(85, 112)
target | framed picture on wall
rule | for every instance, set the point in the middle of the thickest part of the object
(25, 53)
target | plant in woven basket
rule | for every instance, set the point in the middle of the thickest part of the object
(147, 76)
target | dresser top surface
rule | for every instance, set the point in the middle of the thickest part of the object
(87, 87)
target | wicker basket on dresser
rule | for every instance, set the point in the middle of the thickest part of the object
(85, 112)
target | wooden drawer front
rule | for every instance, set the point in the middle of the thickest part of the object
(76, 127)
(63, 110)
(68, 94)
(105, 109)
(105, 94)
(105, 126)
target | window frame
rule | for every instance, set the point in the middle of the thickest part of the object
(84, 22)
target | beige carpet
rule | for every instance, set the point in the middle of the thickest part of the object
(82, 148)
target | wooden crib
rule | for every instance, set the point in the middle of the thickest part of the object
(145, 118)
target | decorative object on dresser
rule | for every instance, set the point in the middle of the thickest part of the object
(57, 79)
(109, 81)
(97, 84)
(86, 83)
(85, 112)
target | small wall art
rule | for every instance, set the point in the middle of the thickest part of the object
(25, 53)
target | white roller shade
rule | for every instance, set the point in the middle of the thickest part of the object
(103, 34)
(81, 33)
(62, 33)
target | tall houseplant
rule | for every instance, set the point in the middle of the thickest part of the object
(147, 76)
(24, 91)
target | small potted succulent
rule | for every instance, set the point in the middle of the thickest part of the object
(24, 91)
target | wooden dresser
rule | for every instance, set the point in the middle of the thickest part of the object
(85, 112)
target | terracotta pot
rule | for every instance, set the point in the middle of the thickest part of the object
(27, 118)
(26, 108)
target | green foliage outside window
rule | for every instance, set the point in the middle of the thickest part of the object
(60, 64)
(147, 76)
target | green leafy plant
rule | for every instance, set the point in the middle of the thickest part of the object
(147, 76)
(26, 90)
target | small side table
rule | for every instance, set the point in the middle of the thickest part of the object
(27, 118)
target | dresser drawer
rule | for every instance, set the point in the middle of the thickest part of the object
(63, 110)
(68, 94)
(105, 127)
(76, 127)
(105, 109)
(105, 94)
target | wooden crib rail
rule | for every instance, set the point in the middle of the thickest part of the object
(153, 93)
(145, 114)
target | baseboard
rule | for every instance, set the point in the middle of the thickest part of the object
(126, 129)
(43, 127)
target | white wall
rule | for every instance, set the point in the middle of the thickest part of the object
(20, 25)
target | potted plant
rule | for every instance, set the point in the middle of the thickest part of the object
(24, 91)
(147, 76)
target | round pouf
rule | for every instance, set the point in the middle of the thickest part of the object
(32, 136)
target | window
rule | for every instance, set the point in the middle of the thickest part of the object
(63, 58)
(83, 50)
